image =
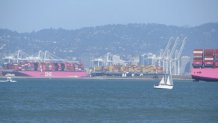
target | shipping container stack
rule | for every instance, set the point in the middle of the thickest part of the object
(216, 58)
(208, 57)
(198, 58)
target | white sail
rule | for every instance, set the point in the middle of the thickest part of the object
(162, 82)
(169, 81)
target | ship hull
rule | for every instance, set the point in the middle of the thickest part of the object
(163, 86)
(47, 74)
(205, 74)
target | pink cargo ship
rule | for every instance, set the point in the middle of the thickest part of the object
(205, 64)
(45, 74)
(206, 74)
(42, 68)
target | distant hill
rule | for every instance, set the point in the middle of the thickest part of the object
(131, 39)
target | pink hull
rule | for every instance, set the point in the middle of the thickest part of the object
(52, 74)
(205, 74)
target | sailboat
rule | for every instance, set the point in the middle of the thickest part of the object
(165, 83)
(9, 79)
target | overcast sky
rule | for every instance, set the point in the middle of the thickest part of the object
(33, 15)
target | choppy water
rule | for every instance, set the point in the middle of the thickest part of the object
(106, 101)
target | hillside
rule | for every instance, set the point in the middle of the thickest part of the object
(131, 39)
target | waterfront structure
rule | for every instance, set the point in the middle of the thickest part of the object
(148, 59)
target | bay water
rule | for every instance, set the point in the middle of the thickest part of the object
(107, 101)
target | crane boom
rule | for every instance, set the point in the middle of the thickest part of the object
(181, 48)
(174, 47)
(167, 47)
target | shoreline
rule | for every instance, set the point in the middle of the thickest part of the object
(99, 78)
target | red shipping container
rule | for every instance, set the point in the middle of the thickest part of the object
(208, 56)
(198, 59)
(208, 53)
(208, 62)
(209, 50)
(197, 62)
(198, 54)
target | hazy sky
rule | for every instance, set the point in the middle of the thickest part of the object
(29, 15)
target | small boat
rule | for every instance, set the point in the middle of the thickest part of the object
(165, 83)
(9, 79)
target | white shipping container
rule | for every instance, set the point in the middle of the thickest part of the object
(198, 52)
(208, 58)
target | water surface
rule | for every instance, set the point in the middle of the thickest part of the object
(107, 101)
